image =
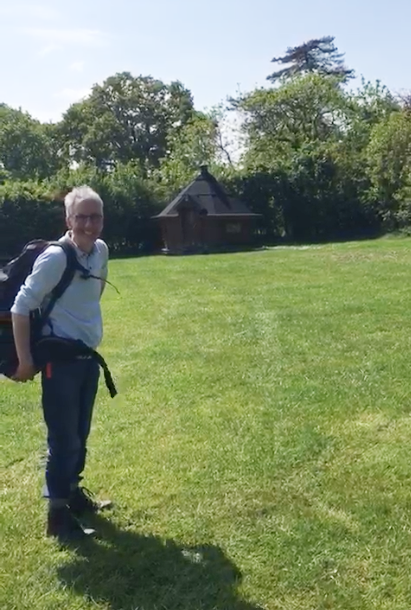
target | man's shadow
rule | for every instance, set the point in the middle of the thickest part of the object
(129, 571)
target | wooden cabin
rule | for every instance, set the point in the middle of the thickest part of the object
(203, 218)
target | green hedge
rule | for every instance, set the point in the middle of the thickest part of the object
(32, 211)
(310, 202)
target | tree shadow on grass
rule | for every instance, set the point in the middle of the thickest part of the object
(128, 571)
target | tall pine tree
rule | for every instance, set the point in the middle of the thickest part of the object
(319, 55)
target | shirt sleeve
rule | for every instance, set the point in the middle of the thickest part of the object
(104, 252)
(47, 271)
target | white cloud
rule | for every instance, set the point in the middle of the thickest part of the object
(45, 13)
(45, 116)
(72, 95)
(48, 49)
(74, 36)
(77, 66)
(37, 11)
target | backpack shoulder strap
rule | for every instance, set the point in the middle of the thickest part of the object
(72, 266)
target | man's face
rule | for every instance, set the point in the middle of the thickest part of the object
(86, 222)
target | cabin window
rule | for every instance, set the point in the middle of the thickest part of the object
(233, 227)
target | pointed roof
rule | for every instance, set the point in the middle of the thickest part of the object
(207, 195)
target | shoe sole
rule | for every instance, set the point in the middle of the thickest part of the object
(87, 532)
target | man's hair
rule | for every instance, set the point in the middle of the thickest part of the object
(80, 193)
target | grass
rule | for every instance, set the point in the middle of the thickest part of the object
(259, 450)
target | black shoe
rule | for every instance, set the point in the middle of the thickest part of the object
(82, 501)
(63, 525)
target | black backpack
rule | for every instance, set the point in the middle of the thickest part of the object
(12, 277)
(50, 348)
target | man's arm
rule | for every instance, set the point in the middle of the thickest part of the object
(21, 331)
(104, 269)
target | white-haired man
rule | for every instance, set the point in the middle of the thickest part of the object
(68, 389)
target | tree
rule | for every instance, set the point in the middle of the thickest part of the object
(389, 167)
(405, 101)
(299, 148)
(372, 103)
(279, 122)
(367, 107)
(126, 119)
(27, 147)
(195, 144)
(319, 56)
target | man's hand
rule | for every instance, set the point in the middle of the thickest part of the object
(25, 371)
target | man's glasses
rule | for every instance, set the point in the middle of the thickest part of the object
(93, 217)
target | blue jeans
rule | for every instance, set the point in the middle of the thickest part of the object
(69, 392)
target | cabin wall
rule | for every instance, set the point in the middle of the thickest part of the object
(206, 232)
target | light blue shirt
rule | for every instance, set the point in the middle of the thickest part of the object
(77, 314)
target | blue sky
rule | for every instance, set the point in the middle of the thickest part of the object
(53, 51)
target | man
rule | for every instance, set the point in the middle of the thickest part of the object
(68, 389)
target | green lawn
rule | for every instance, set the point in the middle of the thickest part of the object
(259, 451)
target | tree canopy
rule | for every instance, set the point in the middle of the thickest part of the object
(126, 118)
(317, 159)
(319, 56)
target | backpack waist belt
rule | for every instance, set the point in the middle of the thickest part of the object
(57, 349)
